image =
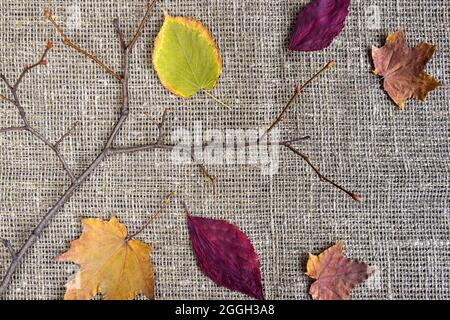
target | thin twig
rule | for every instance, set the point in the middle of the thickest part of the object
(27, 126)
(140, 28)
(8, 84)
(9, 129)
(163, 206)
(298, 89)
(187, 148)
(212, 178)
(190, 150)
(120, 34)
(80, 179)
(320, 175)
(77, 48)
(10, 248)
(160, 124)
(67, 134)
(55, 150)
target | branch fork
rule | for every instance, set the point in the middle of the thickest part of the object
(10, 248)
(75, 181)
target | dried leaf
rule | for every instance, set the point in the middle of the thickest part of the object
(225, 255)
(186, 57)
(109, 263)
(335, 275)
(403, 68)
(318, 24)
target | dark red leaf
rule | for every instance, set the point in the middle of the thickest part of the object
(225, 255)
(318, 24)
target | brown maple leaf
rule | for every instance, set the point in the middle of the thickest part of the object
(109, 263)
(335, 275)
(403, 68)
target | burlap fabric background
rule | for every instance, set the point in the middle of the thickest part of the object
(398, 161)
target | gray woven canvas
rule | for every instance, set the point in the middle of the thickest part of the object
(397, 160)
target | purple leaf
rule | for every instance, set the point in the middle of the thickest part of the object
(318, 24)
(225, 255)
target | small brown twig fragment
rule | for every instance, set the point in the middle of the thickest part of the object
(298, 89)
(320, 175)
(212, 178)
(164, 203)
(77, 48)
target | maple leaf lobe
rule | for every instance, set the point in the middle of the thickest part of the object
(318, 24)
(225, 255)
(403, 68)
(335, 274)
(109, 263)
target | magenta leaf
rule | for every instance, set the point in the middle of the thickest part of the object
(225, 255)
(318, 24)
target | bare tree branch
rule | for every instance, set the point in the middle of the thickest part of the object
(28, 68)
(320, 175)
(298, 89)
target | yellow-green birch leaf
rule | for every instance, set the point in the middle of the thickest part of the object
(186, 57)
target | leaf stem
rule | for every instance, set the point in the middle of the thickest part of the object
(209, 94)
(140, 28)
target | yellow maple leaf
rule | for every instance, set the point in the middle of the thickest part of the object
(109, 263)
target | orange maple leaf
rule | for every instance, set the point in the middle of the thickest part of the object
(109, 263)
(403, 68)
(335, 275)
